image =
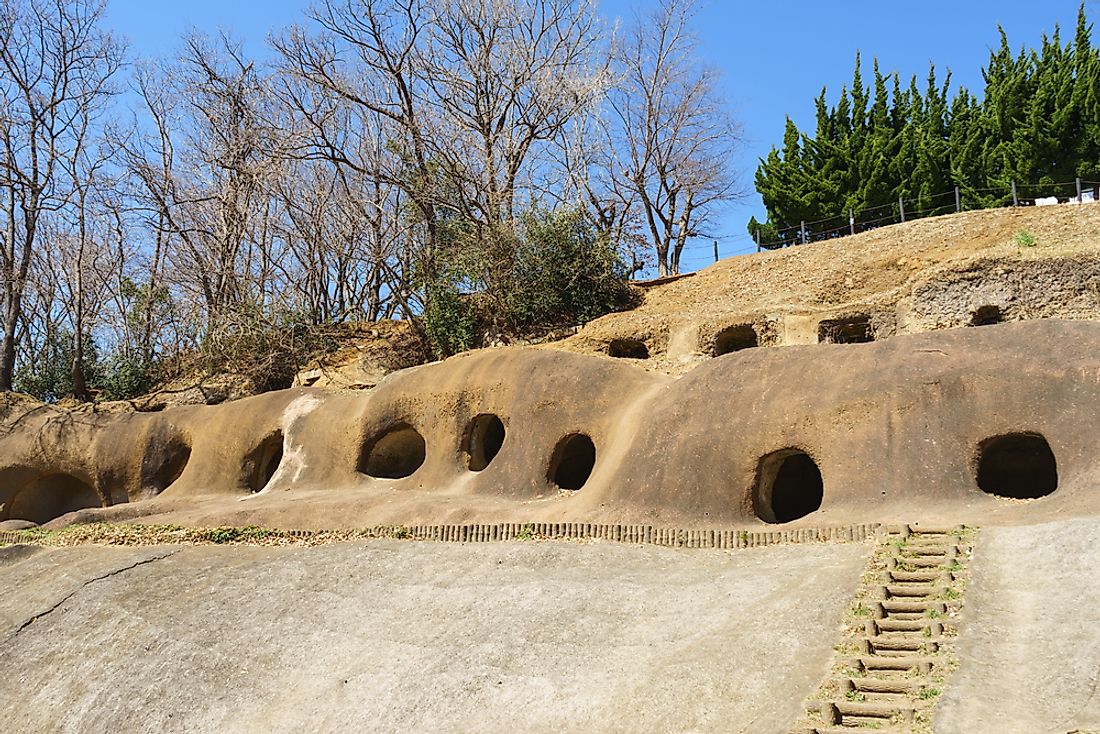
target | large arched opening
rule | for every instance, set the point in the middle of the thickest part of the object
(261, 463)
(572, 462)
(49, 497)
(395, 453)
(1017, 465)
(788, 486)
(482, 441)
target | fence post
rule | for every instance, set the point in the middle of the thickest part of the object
(803, 231)
(716, 251)
(852, 220)
(901, 207)
(958, 200)
(1015, 198)
(758, 240)
(1079, 198)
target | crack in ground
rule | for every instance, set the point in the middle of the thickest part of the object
(83, 586)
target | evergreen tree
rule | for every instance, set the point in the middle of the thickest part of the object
(1036, 124)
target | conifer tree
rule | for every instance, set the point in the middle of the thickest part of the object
(1036, 124)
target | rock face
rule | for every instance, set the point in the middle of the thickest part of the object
(417, 637)
(961, 423)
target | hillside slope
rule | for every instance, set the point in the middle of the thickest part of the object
(913, 277)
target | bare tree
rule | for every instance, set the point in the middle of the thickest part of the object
(506, 78)
(674, 138)
(466, 92)
(204, 172)
(56, 70)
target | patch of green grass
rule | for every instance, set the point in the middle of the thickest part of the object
(1025, 239)
(951, 593)
(932, 613)
(926, 693)
(526, 533)
(232, 535)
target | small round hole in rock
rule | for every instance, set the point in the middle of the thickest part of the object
(853, 330)
(788, 486)
(734, 339)
(986, 316)
(572, 462)
(395, 453)
(628, 349)
(1017, 466)
(483, 440)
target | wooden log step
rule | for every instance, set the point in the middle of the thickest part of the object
(918, 625)
(882, 685)
(910, 662)
(913, 591)
(912, 606)
(918, 576)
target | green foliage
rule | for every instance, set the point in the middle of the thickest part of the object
(47, 374)
(927, 693)
(232, 534)
(1025, 239)
(1037, 124)
(556, 270)
(450, 318)
(563, 273)
(126, 376)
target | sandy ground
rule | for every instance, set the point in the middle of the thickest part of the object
(1030, 645)
(399, 636)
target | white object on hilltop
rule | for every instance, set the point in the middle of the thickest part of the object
(1047, 201)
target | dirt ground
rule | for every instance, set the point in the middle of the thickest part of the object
(1029, 648)
(405, 636)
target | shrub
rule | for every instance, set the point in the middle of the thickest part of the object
(127, 376)
(267, 347)
(556, 270)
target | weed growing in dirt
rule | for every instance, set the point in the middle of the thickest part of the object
(1025, 239)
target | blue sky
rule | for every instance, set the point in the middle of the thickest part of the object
(774, 56)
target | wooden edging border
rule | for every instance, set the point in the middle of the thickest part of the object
(503, 532)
